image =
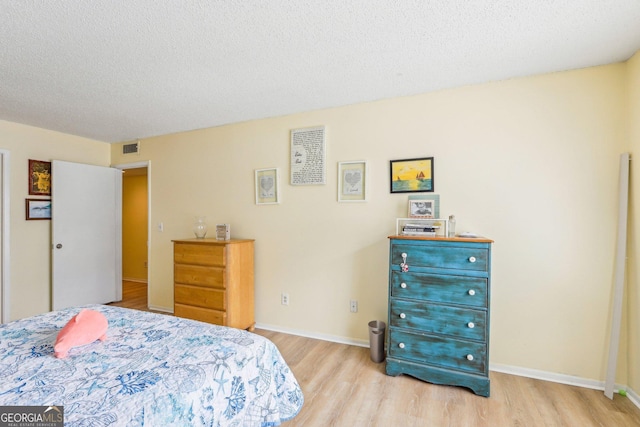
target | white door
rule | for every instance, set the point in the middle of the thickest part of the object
(86, 234)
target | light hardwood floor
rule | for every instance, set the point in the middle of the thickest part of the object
(343, 387)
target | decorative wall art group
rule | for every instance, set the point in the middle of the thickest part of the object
(39, 185)
(308, 167)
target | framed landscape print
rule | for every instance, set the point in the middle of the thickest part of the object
(411, 175)
(38, 209)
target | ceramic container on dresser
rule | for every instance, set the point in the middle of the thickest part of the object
(214, 281)
(439, 295)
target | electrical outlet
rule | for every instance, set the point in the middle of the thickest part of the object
(354, 306)
(284, 298)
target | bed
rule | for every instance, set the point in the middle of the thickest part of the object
(153, 369)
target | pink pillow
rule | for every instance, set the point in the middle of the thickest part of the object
(83, 328)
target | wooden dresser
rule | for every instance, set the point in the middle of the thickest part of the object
(214, 281)
(439, 310)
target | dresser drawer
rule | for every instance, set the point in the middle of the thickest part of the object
(201, 314)
(445, 257)
(185, 253)
(439, 319)
(463, 355)
(459, 290)
(199, 296)
(198, 275)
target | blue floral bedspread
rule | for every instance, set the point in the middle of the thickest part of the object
(153, 369)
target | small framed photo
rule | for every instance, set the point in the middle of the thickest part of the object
(431, 201)
(411, 175)
(267, 186)
(39, 178)
(352, 181)
(38, 209)
(421, 209)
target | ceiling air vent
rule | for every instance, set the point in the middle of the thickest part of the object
(130, 148)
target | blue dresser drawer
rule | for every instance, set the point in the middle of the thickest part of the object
(445, 257)
(439, 310)
(438, 319)
(459, 290)
(467, 356)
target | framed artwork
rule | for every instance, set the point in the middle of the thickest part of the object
(432, 200)
(308, 156)
(411, 175)
(352, 181)
(267, 186)
(38, 209)
(39, 178)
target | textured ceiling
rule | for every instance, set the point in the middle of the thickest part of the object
(119, 70)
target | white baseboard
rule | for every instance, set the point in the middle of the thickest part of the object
(507, 369)
(563, 379)
(162, 309)
(323, 337)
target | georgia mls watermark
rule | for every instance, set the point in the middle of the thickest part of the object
(31, 416)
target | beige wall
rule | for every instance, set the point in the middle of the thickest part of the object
(632, 294)
(134, 227)
(30, 251)
(531, 163)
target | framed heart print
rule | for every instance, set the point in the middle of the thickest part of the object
(352, 181)
(267, 186)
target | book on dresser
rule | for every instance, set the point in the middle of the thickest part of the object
(439, 309)
(214, 281)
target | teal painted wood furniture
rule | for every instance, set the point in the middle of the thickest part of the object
(439, 293)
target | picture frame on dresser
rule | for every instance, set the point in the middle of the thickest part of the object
(352, 181)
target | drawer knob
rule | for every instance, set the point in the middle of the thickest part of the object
(469, 357)
(471, 325)
(472, 292)
(403, 285)
(402, 315)
(472, 259)
(401, 345)
(404, 266)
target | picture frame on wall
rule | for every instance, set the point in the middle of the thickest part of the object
(267, 184)
(39, 178)
(352, 181)
(38, 209)
(411, 175)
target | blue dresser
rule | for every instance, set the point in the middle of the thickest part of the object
(439, 293)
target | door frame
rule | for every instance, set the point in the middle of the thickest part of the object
(143, 164)
(5, 227)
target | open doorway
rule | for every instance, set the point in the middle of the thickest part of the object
(135, 235)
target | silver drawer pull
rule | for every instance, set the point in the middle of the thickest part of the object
(401, 345)
(402, 315)
(472, 259)
(471, 325)
(469, 357)
(403, 285)
(472, 292)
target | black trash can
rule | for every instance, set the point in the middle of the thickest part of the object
(376, 340)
